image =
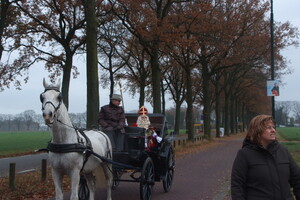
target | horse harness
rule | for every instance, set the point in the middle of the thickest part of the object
(79, 147)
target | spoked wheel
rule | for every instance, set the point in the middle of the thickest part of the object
(117, 174)
(147, 179)
(168, 179)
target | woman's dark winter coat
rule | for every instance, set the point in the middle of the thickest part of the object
(264, 174)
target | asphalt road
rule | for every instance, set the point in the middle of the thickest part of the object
(198, 176)
(28, 162)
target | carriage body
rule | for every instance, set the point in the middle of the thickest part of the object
(140, 158)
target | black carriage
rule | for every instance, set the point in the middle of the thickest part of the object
(146, 165)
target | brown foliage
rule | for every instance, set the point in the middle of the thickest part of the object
(36, 37)
(28, 186)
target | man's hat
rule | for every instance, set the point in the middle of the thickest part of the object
(116, 97)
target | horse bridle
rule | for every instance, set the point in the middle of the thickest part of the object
(50, 102)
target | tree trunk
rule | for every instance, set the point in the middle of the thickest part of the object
(142, 95)
(112, 83)
(143, 78)
(163, 100)
(177, 117)
(4, 8)
(231, 113)
(226, 115)
(67, 78)
(156, 77)
(92, 66)
(243, 117)
(237, 116)
(189, 117)
(206, 101)
(66, 85)
(217, 109)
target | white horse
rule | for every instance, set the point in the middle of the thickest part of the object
(62, 158)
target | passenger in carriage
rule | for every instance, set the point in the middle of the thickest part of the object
(151, 138)
(112, 121)
(143, 120)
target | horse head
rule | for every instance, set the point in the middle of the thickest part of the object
(51, 100)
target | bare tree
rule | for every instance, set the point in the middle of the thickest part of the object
(283, 110)
(175, 79)
(137, 70)
(146, 20)
(110, 44)
(296, 110)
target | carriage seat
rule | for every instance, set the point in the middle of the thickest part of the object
(134, 131)
(134, 138)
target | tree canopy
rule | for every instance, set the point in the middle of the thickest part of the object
(209, 54)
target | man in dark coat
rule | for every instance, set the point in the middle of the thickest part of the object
(112, 122)
(264, 169)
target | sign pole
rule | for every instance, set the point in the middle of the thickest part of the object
(272, 55)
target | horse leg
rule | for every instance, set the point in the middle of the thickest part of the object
(90, 178)
(75, 177)
(107, 168)
(57, 178)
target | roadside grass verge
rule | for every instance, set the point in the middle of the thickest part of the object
(290, 137)
(289, 133)
(17, 143)
(294, 149)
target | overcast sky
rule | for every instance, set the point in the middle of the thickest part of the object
(14, 101)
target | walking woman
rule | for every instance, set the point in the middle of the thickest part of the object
(264, 169)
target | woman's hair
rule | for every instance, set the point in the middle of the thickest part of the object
(257, 126)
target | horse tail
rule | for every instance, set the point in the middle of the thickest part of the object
(100, 177)
(104, 172)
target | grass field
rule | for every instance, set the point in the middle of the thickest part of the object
(290, 133)
(290, 137)
(12, 143)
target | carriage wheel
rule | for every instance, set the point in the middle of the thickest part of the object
(147, 179)
(168, 179)
(117, 175)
